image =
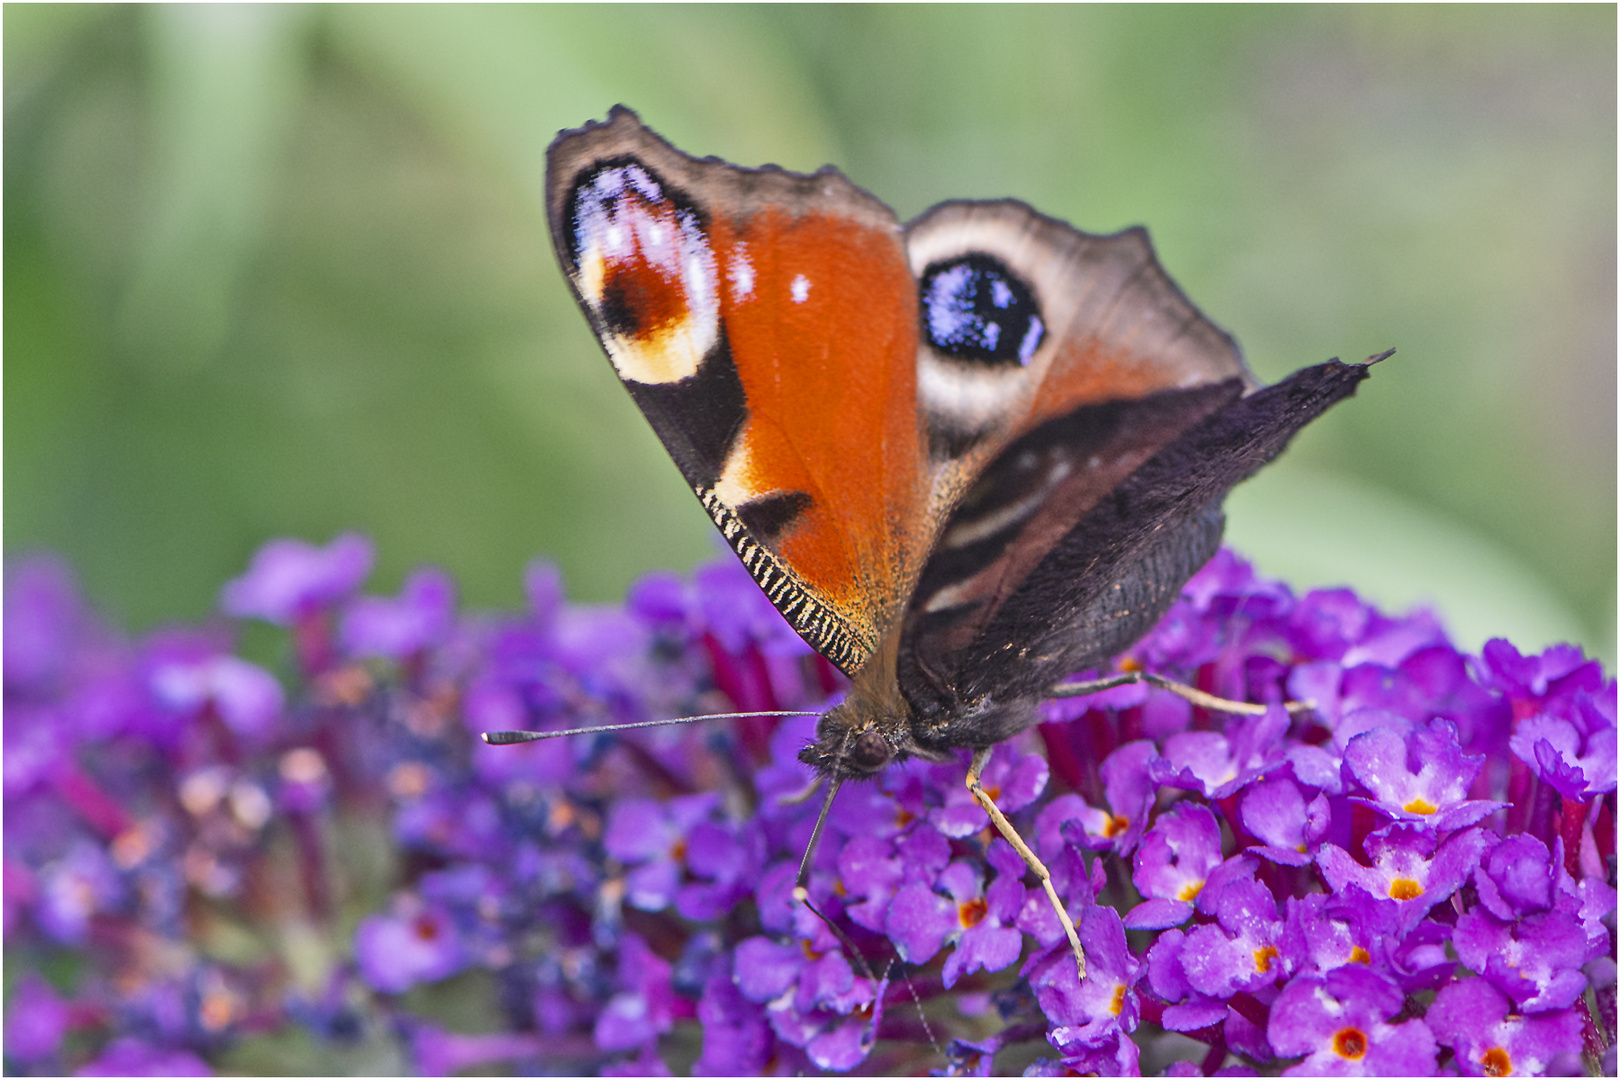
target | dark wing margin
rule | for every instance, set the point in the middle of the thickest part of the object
(1105, 584)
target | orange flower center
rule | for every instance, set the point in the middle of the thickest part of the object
(1358, 955)
(1119, 1000)
(1404, 889)
(426, 929)
(1263, 958)
(217, 1010)
(972, 912)
(1350, 1043)
(1420, 805)
(1117, 824)
(1497, 1062)
(1189, 892)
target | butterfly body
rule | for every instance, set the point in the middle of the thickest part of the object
(964, 457)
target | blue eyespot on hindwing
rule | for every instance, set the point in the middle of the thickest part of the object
(974, 307)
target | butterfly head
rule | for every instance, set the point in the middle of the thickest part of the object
(871, 729)
(851, 746)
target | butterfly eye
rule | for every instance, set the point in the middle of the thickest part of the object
(871, 752)
(975, 308)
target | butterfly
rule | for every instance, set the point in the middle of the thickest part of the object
(964, 456)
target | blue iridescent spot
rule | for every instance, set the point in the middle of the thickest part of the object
(975, 308)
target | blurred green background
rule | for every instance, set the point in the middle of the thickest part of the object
(284, 270)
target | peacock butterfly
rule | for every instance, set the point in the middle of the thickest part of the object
(963, 457)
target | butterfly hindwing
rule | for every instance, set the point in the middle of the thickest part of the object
(1109, 579)
(1025, 318)
(1026, 503)
(765, 322)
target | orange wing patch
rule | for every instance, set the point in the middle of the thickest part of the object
(820, 315)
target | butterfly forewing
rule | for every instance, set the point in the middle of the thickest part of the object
(765, 322)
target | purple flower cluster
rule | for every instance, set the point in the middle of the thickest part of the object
(240, 849)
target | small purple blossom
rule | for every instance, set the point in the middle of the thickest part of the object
(643, 1007)
(1406, 867)
(1578, 759)
(290, 578)
(37, 1018)
(132, 1057)
(1289, 827)
(1012, 780)
(1436, 793)
(418, 619)
(245, 696)
(1171, 865)
(1478, 1022)
(415, 943)
(1341, 1024)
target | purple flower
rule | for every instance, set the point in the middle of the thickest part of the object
(643, 1009)
(1340, 1024)
(1435, 794)
(43, 618)
(1095, 1012)
(1323, 932)
(1577, 760)
(989, 942)
(1172, 864)
(245, 696)
(1130, 792)
(1516, 877)
(1216, 765)
(36, 1020)
(920, 920)
(813, 999)
(604, 892)
(133, 1057)
(420, 618)
(1535, 960)
(736, 1035)
(1406, 867)
(1490, 1038)
(289, 579)
(1012, 780)
(1274, 810)
(415, 943)
(651, 837)
(871, 871)
(1239, 951)
(1557, 673)
(83, 883)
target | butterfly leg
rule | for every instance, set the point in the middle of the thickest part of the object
(1181, 690)
(1032, 860)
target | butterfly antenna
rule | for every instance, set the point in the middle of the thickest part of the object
(507, 738)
